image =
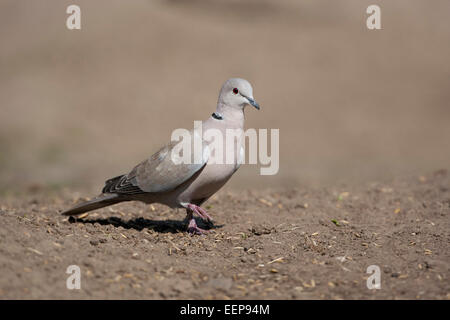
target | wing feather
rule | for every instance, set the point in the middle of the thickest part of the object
(159, 173)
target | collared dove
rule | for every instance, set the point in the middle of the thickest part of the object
(185, 185)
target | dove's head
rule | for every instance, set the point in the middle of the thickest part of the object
(237, 93)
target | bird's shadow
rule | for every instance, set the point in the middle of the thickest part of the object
(164, 226)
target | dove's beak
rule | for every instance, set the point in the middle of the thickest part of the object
(252, 102)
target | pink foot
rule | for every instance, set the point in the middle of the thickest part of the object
(200, 211)
(193, 229)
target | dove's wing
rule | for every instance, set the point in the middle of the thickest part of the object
(159, 173)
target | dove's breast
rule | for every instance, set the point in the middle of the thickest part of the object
(216, 172)
(225, 157)
(209, 181)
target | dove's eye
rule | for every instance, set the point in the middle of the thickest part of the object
(235, 91)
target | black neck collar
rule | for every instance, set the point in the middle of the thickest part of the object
(217, 116)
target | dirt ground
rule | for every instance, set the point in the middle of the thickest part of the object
(305, 243)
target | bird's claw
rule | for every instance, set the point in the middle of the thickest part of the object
(193, 229)
(200, 211)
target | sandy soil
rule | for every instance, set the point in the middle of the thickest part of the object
(298, 244)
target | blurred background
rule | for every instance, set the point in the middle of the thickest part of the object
(80, 106)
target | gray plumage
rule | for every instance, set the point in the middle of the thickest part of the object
(159, 179)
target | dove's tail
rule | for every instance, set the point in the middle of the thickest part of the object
(103, 200)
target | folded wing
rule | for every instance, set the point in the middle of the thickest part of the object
(159, 173)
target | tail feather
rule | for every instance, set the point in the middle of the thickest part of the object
(103, 200)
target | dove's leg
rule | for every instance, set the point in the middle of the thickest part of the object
(192, 226)
(198, 210)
